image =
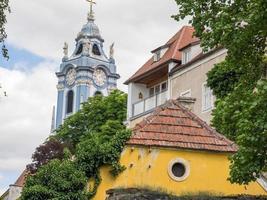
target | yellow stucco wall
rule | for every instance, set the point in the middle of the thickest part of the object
(208, 173)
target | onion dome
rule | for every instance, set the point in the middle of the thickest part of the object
(90, 29)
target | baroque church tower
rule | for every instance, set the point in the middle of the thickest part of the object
(88, 71)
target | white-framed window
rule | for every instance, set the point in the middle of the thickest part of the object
(179, 169)
(157, 56)
(151, 91)
(186, 93)
(164, 86)
(158, 88)
(186, 56)
(207, 98)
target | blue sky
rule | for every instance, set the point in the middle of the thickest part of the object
(9, 177)
(19, 56)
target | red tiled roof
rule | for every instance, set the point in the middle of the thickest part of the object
(182, 38)
(172, 125)
(21, 180)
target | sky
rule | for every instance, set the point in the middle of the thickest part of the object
(37, 30)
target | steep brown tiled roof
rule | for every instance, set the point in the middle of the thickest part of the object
(182, 38)
(21, 180)
(172, 125)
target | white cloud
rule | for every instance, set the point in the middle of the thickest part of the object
(14, 163)
(1, 177)
(25, 114)
(2, 189)
(136, 27)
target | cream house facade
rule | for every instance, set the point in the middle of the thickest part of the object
(176, 70)
(190, 80)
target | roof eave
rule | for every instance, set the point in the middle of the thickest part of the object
(161, 47)
(5, 194)
(183, 148)
(190, 45)
(179, 67)
(130, 80)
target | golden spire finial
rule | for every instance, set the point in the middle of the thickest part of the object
(91, 12)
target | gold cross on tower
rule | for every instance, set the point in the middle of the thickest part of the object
(91, 13)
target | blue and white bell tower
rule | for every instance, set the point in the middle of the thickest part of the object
(86, 72)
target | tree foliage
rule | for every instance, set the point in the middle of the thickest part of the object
(223, 79)
(95, 136)
(94, 114)
(57, 180)
(103, 148)
(51, 149)
(244, 118)
(241, 28)
(4, 7)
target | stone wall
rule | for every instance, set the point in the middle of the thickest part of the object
(139, 194)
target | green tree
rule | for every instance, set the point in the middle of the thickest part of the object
(100, 149)
(51, 149)
(241, 28)
(57, 180)
(242, 117)
(4, 7)
(95, 136)
(94, 114)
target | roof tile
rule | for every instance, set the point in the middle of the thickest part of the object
(172, 125)
(182, 38)
(21, 180)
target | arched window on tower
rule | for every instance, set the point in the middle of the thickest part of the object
(96, 50)
(80, 50)
(70, 98)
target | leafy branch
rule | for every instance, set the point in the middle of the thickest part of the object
(4, 7)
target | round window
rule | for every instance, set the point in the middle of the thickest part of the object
(179, 169)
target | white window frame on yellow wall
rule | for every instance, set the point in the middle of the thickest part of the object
(207, 98)
(186, 165)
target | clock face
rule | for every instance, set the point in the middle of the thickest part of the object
(99, 77)
(71, 76)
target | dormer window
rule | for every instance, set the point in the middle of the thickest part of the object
(96, 50)
(186, 56)
(157, 56)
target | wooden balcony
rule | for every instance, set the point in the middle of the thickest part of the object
(149, 104)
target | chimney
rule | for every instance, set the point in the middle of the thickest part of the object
(187, 102)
